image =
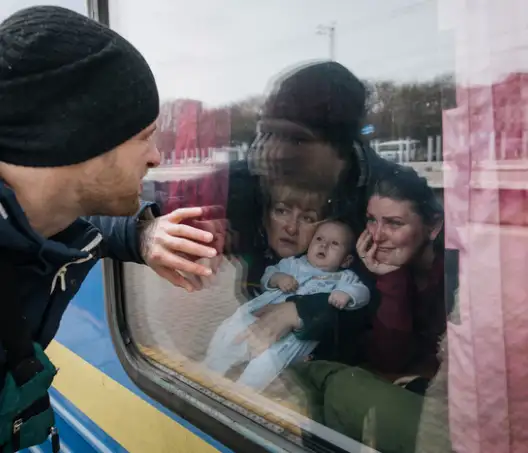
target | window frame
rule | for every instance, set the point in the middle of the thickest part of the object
(229, 427)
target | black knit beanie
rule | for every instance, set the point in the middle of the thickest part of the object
(70, 88)
(325, 97)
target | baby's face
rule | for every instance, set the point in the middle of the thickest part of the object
(330, 248)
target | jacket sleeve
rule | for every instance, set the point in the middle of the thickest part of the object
(121, 235)
(390, 344)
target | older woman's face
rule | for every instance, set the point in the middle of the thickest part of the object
(291, 221)
(397, 231)
(300, 175)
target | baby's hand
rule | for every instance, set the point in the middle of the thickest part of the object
(338, 299)
(287, 284)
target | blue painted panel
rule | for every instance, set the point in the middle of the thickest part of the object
(84, 330)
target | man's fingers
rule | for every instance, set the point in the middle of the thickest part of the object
(216, 262)
(214, 225)
(213, 264)
(181, 245)
(174, 261)
(175, 278)
(178, 215)
(189, 232)
(196, 281)
(213, 212)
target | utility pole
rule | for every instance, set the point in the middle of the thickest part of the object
(329, 30)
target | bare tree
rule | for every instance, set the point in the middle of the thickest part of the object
(244, 117)
(408, 110)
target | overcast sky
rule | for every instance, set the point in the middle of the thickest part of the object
(222, 51)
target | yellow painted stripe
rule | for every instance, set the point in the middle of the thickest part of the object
(130, 420)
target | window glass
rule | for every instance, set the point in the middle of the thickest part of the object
(341, 270)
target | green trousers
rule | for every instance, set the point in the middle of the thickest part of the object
(360, 405)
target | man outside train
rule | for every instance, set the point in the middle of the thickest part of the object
(78, 105)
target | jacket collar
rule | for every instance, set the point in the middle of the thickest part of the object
(17, 236)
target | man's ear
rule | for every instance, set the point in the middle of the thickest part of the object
(348, 261)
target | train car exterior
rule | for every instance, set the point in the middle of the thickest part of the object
(453, 76)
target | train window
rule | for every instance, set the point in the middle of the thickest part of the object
(348, 153)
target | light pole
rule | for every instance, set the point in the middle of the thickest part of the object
(329, 30)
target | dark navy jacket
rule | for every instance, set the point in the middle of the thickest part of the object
(52, 270)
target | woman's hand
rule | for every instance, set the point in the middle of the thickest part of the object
(172, 248)
(274, 322)
(366, 249)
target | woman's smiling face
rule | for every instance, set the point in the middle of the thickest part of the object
(398, 231)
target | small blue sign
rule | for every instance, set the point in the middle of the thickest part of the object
(368, 129)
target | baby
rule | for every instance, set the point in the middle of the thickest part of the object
(321, 270)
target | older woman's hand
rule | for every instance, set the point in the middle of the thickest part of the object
(366, 249)
(274, 322)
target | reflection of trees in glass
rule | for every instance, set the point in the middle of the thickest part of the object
(244, 117)
(411, 110)
(395, 110)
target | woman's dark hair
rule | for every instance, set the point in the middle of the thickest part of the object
(402, 183)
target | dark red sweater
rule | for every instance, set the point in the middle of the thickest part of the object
(408, 323)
